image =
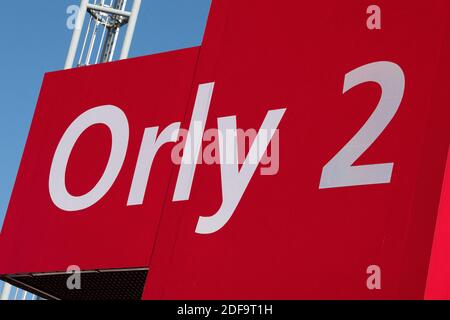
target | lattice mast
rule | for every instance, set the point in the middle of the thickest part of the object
(101, 33)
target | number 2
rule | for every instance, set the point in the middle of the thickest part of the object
(340, 172)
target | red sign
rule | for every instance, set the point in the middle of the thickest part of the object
(363, 145)
(438, 282)
(299, 154)
(70, 200)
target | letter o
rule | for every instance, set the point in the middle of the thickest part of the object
(116, 120)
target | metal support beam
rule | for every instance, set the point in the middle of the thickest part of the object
(113, 11)
(112, 34)
(130, 29)
(6, 291)
(76, 35)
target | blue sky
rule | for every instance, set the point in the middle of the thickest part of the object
(31, 47)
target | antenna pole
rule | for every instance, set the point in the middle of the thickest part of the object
(76, 34)
(130, 31)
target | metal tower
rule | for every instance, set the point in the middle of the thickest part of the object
(107, 19)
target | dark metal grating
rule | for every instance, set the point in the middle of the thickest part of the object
(95, 285)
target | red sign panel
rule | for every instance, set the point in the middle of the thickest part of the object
(81, 216)
(363, 144)
(438, 282)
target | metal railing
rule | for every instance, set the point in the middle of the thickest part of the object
(12, 293)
